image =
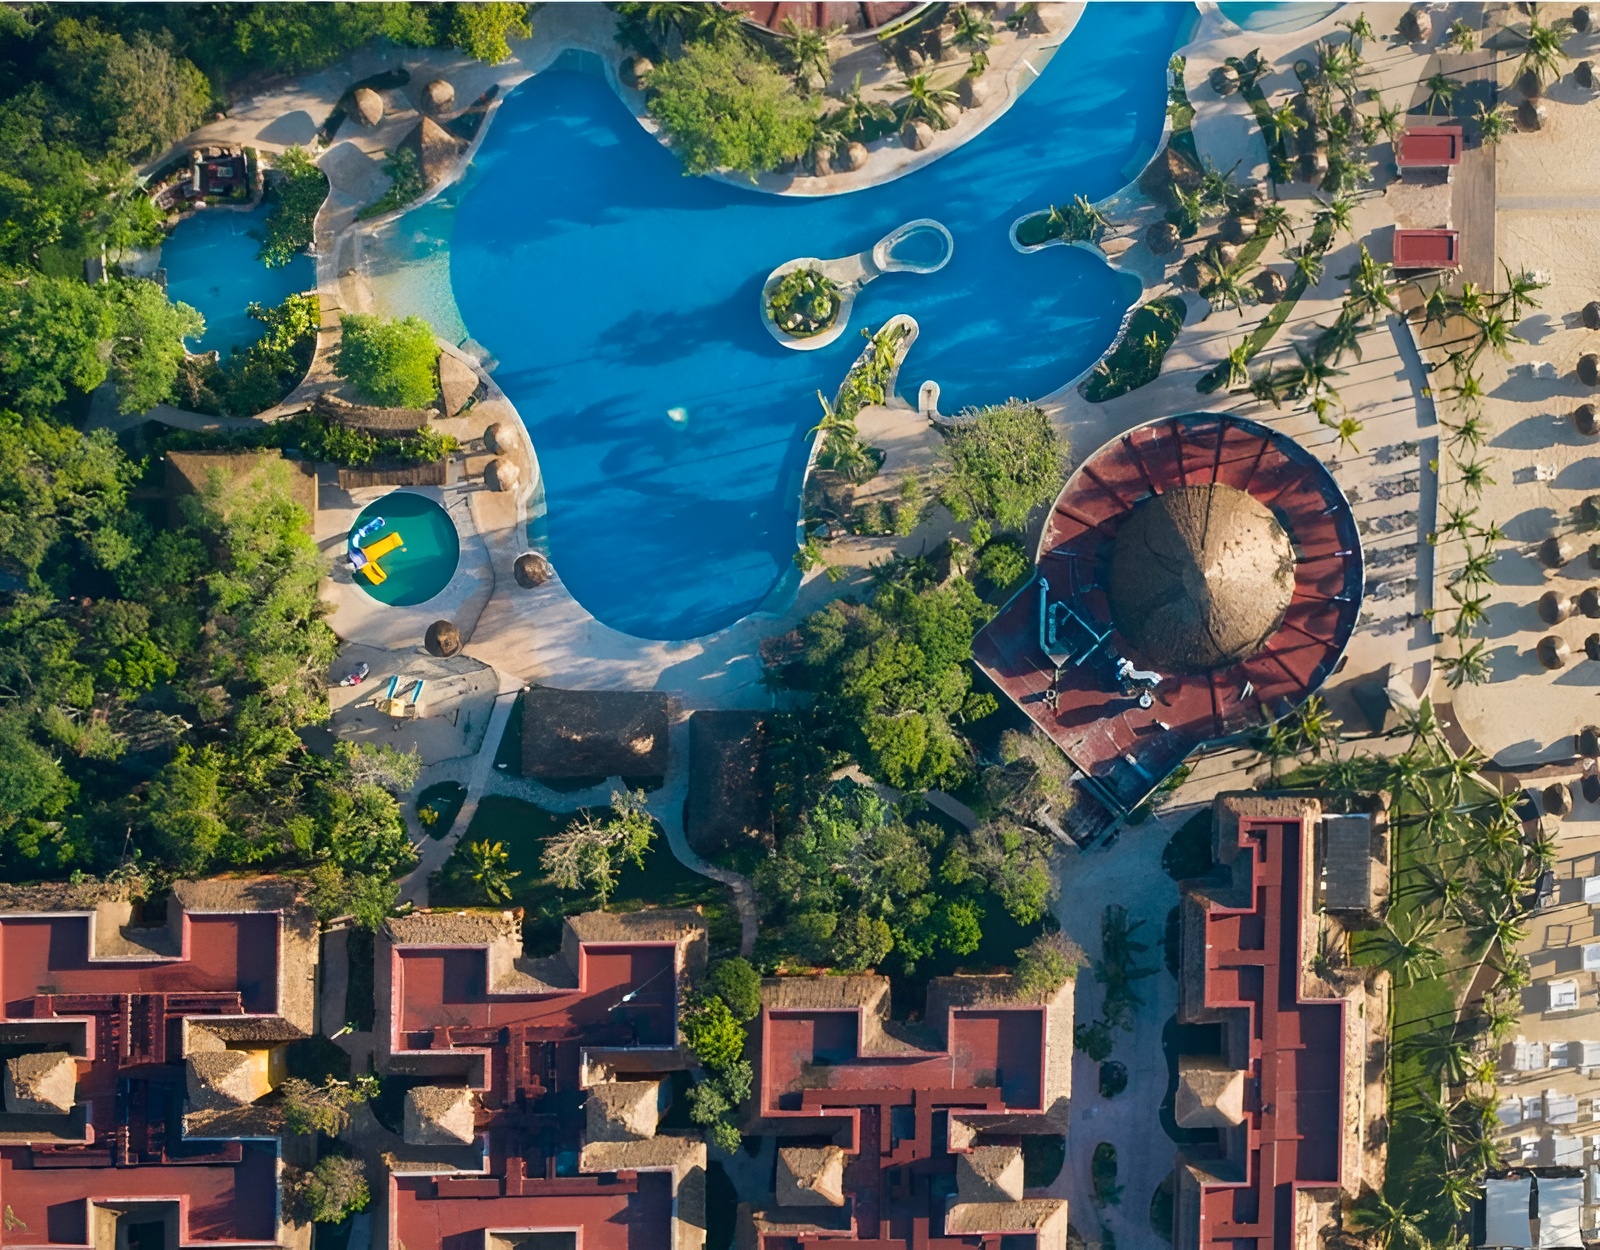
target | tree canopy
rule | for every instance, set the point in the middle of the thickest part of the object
(390, 362)
(1002, 463)
(724, 105)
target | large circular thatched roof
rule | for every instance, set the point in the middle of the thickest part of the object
(1201, 577)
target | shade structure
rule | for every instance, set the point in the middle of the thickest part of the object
(443, 639)
(1124, 746)
(1560, 1212)
(531, 570)
(1506, 1205)
(1201, 577)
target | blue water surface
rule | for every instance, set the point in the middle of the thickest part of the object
(211, 263)
(611, 288)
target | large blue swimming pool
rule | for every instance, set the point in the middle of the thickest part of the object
(211, 263)
(611, 288)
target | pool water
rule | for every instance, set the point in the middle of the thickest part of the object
(1276, 16)
(610, 289)
(211, 263)
(424, 564)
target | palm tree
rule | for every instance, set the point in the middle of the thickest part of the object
(1441, 92)
(1459, 1191)
(1486, 930)
(1422, 725)
(1470, 613)
(1309, 265)
(1501, 1016)
(1461, 36)
(1458, 521)
(1436, 1121)
(1347, 429)
(1445, 890)
(1467, 392)
(1481, 1155)
(856, 114)
(487, 866)
(1474, 476)
(1543, 55)
(1494, 331)
(1334, 213)
(1391, 119)
(1520, 287)
(1191, 208)
(1443, 1054)
(1494, 124)
(1471, 303)
(973, 32)
(1392, 1227)
(1274, 219)
(1477, 569)
(1280, 124)
(1369, 284)
(1313, 375)
(1343, 336)
(1228, 288)
(1267, 386)
(1436, 308)
(925, 102)
(1408, 950)
(1238, 362)
(1360, 31)
(1468, 667)
(1515, 972)
(807, 52)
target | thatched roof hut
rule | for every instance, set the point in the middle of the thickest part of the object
(370, 418)
(437, 149)
(428, 473)
(1589, 369)
(436, 1115)
(190, 473)
(1556, 800)
(1162, 237)
(442, 639)
(41, 1083)
(730, 781)
(990, 1174)
(569, 735)
(438, 95)
(1210, 1093)
(501, 474)
(531, 570)
(458, 384)
(368, 106)
(1201, 577)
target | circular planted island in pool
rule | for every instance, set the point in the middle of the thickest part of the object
(408, 558)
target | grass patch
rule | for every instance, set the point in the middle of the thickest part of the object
(1137, 358)
(360, 1007)
(662, 882)
(444, 800)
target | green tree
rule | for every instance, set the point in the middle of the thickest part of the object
(296, 191)
(324, 1108)
(389, 362)
(724, 106)
(736, 983)
(1394, 1227)
(489, 869)
(709, 1029)
(925, 102)
(593, 851)
(1002, 462)
(52, 331)
(183, 808)
(808, 53)
(481, 30)
(1046, 964)
(147, 348)
(1543, 53)
(335, 1189)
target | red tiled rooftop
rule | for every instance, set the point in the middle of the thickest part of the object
(1294, 1117)
(1427, 249)
(1126, 750)
(1428, 147)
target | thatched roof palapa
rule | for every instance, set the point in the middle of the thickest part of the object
(372, 419)
(439, 1116)
(442, 639)
(429, 473)
(730, 783)
(191, 472)
(458, 384)
(437, 149)
(501, 474)
(368, 105)
(571, 734)
(438, 95)
(1201, 577)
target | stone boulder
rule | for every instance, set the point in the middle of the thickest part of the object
(1583, 75)
(856, 156)
(368, 105)
(822, 163)
(636, 71)
(972, 91)
(917, 135)
(1531, 115)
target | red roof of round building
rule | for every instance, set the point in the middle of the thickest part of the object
(1224, 666)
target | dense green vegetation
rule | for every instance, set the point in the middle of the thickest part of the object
(406, 183)
(1003, 462)
(259, 376)
(1078, 222)
(804, 303)
(392, 361)
(1151, 331)
(323, 439)
(295, 193)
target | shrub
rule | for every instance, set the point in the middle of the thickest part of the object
(1046, 964)
(1003, 564)
(406, 182)
(259, 376)
(1137, 358)
(724, 105)
(739, 985)
(389, 362)
(1093, 1040)
(710, 1030)
(298, 190)
(804, 303)
(335, 1189)
(1001, 463)
(1113, 1078)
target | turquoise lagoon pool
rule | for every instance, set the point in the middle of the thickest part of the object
(610, 288)
(210, 259)
(425, 559)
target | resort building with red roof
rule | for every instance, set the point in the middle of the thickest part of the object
(134, 1050)
(1197, 576)
(891, 1133)
(1283, 1112)
(537, 1084)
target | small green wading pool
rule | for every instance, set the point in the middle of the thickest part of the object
(415, 550)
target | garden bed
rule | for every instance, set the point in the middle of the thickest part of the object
(804, 303)
(1151, 331)
(523, 828)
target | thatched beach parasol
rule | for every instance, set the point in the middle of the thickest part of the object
(1553, 651)
(1584, 419)
(1554, 607)
(1416, 25)
(531, 570)
(438, 95)
(500, 474)
(1588, 602)
(443, 639)
(1589, 369)
(368, 105)
(1557, 800)
(1587, 741)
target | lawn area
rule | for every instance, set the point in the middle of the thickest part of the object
(662, 882)
(1416, 1160)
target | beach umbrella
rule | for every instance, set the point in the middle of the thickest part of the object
(1583, 75)
(1416, 25)
(1553, 651)
(1591, 315)
(1557, 799)
(368, 104)
(1590, 785)
(1583, 417)
(500, 474)
(1554, 607)
(1588, 741)
(1589, 369)
(1591, 646)
(438, 95)
(442, 639)
(531, 570)
(1582, 19)
(1224, 80)
(1588, 602)
(1557, 550)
